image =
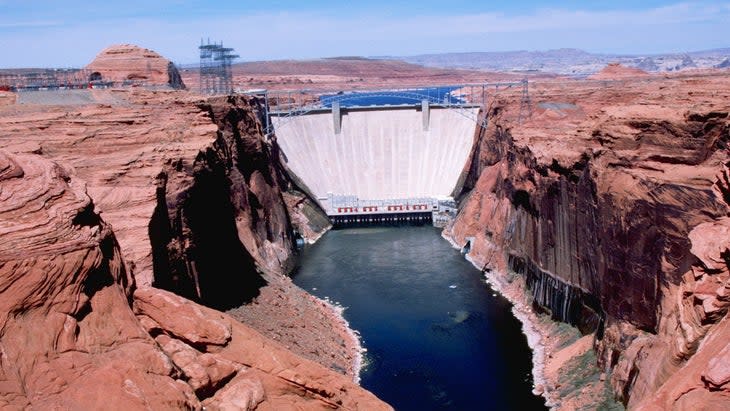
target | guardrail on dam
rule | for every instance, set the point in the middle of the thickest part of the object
(380, 162)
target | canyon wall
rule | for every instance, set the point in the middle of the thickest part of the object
(611, 203)
(77, 334)
(86, 315)
(221, 218)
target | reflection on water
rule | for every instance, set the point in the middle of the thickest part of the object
(437, 337)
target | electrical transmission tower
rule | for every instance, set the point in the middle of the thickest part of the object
(525, 103)
(215, 68)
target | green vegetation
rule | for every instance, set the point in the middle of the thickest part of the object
(565, 332)
(579, 374)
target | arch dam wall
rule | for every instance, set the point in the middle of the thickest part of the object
(384, 153)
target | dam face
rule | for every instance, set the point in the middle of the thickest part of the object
(384, 160)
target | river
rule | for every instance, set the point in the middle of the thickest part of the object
(437, 337)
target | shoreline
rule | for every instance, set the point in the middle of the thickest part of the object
(353, 344)
(336, 313)
(309, 326)
(532, 328)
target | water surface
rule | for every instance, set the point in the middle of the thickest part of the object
(438, 338)
(393, 97)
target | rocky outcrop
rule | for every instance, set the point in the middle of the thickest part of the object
(616, 71)
(117, 145)
(67, 330)
(229, 365)
(221, 220)
(76, 334)
(223, 234)
(140, 151)
(614, 217)
(129, 63)
(143, 153)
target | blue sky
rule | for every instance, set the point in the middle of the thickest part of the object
(70, 33)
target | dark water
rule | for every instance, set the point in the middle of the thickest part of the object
(411, 96)
(437, 337)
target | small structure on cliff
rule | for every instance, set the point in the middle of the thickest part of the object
(129, 64)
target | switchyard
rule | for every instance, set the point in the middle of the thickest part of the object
(215, 68)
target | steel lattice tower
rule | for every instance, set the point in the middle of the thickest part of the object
(215, 68)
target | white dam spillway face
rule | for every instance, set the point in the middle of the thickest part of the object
(379, 154)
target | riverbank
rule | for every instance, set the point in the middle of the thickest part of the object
(352, 341)
(564, 369)
(304, 324)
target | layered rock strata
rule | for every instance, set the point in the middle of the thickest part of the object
(68, 331)
(127, 63)
(224, 232)
(190, 356)
(611, 204)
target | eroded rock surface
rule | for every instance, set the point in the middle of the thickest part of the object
(610, 202)
(172, 160)
(68, 333)
(616, 71)
(75, 333)
(129, 63)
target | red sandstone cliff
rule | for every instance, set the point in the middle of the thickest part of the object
(70, 340)
(129, 63)
(165, 159)
(614, 213)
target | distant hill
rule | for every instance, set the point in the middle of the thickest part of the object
(615, 71)
(568, 61)
(724, 64)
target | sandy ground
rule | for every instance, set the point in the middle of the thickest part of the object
(306, 325)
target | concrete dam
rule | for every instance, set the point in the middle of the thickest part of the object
(383, 160)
